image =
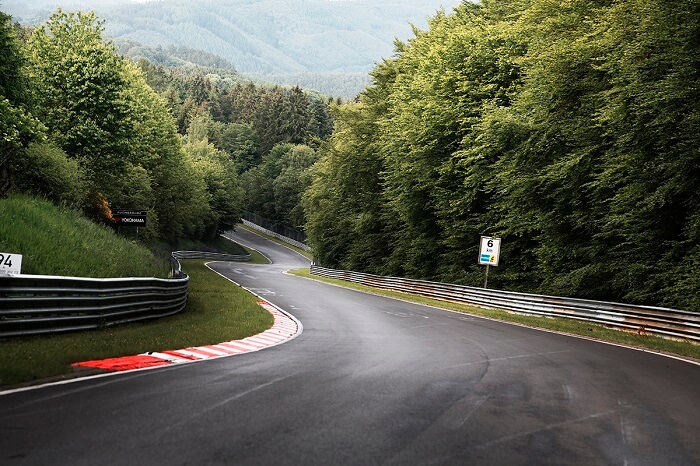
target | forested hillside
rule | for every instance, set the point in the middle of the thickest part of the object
(568, 128)
(89, 129)
(337, 41)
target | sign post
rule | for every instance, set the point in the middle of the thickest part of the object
(10, 264)
(489, 254)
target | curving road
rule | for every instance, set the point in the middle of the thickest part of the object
(370, 381)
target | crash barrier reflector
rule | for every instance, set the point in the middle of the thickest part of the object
(663, 322)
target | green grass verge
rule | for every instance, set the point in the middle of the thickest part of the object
(257, 258)
(569, 326)
(217, 311)
(306, 254)
(57, 241)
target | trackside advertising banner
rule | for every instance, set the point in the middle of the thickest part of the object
(129, 217)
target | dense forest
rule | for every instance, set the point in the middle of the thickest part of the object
(570, 129)
(87, 128)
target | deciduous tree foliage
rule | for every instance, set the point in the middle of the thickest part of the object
(274, 188)
(345, 207)
(293, 179)
(109, 140)
(80, 92)
(219, 173)
(568, 128)
(101, 113)
(17, 126)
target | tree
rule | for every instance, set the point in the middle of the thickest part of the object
(18, 128)
(79, 93)
(258, 184)
(101, 112)
(238, 140)
(650, 178)
(12, 81)
(289, 185)
(321, 122)
(219, 173)
(267, 121)
(551, 147)
(344, 203)
(45, 170)
(569, 128)
(296, 116)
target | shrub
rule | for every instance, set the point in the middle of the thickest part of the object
(44, 169)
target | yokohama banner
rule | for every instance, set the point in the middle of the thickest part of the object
(129, 217)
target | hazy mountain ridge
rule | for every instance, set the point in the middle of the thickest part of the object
(258, 36)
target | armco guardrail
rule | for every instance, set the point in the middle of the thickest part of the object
(37, 304)
(180, 255)
(658, 321)
(277, 235)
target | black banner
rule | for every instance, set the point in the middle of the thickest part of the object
(129, 217)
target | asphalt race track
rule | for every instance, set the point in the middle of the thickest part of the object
(370, 381)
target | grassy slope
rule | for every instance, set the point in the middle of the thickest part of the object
(56, 241)
(218, 244)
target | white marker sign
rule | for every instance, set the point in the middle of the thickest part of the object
(489, 251)
(10, 264)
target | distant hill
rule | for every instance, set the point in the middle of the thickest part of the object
(333, 40)
(345, 85)
(172, 56)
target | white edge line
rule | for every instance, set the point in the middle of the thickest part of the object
(90, 377)
(166, 357)
(580, 337)
(300, 327)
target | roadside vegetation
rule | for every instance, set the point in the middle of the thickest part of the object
(221, 245)
(571, 132)
(567, 326)
(570, 129)
(85, 127)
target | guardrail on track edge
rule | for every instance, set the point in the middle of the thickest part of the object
(663, 322)
(291, 241)
(38, 304)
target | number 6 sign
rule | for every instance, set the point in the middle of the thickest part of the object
(489, 251)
